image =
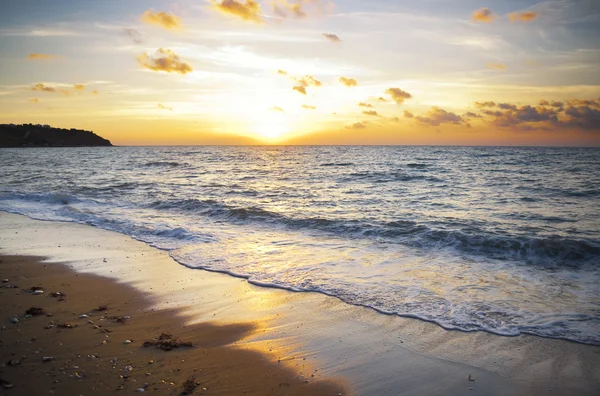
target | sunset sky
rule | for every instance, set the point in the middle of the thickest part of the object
(510, 72)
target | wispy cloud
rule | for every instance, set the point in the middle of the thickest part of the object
(483, 15)
(307, 107)
(356, 125)
(496, 66)
(34, 56)
(163, 107)
(164, 60)
(526, 16)
(134, 35)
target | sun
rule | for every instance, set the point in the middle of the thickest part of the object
(271, 127)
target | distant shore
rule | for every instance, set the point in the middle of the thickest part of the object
(37, 135)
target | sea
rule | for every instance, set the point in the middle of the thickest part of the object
(496, 239)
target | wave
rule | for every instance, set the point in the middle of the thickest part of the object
(337, 164)
(468, 239)
(167, 164)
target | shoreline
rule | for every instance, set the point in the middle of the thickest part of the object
(375, 353)
(93, 338)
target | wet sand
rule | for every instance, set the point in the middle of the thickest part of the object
(90, 339)
(315, 336)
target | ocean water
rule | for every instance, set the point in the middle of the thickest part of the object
(505, 240)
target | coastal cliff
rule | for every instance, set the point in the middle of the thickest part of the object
(36, 135)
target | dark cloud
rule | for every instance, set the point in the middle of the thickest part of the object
(547, 115)
(506, 106)
(334, 38)
(437, 116)
(485, 104)
(408, 114)
(470, 114)
(363, 104)
(164, 60)
(584, 117)
(398, 95)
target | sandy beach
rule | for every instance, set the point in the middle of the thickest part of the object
(88, 334)
(246, 339)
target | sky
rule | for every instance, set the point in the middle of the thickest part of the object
(439, 72)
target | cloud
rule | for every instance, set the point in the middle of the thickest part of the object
(495, 66)
(34, 56)
(162, 19)
(356, 125)
(278, 109)
(43, 88)
(249, 10)
(79, 87)
(483, 15)
(526, 16)
(163, 107)
(334, 38)
(34, 100)
(363, 104)
(547, 115)
(408, 114)
(437, 116)
(307, 107)
(134, 35)
(381, 99)
(506, 106)
(398, 95)
(281, 8)
(282, 72)
(349, 82)
(39, 87)
(164, 60)
(307, 81)
(95, 92)
(470, 114)
(583, 117)
(579, 102)
(300, 89)
(485, 104)
(371, 113)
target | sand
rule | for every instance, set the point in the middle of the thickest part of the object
(315, 337)
(91, 338)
